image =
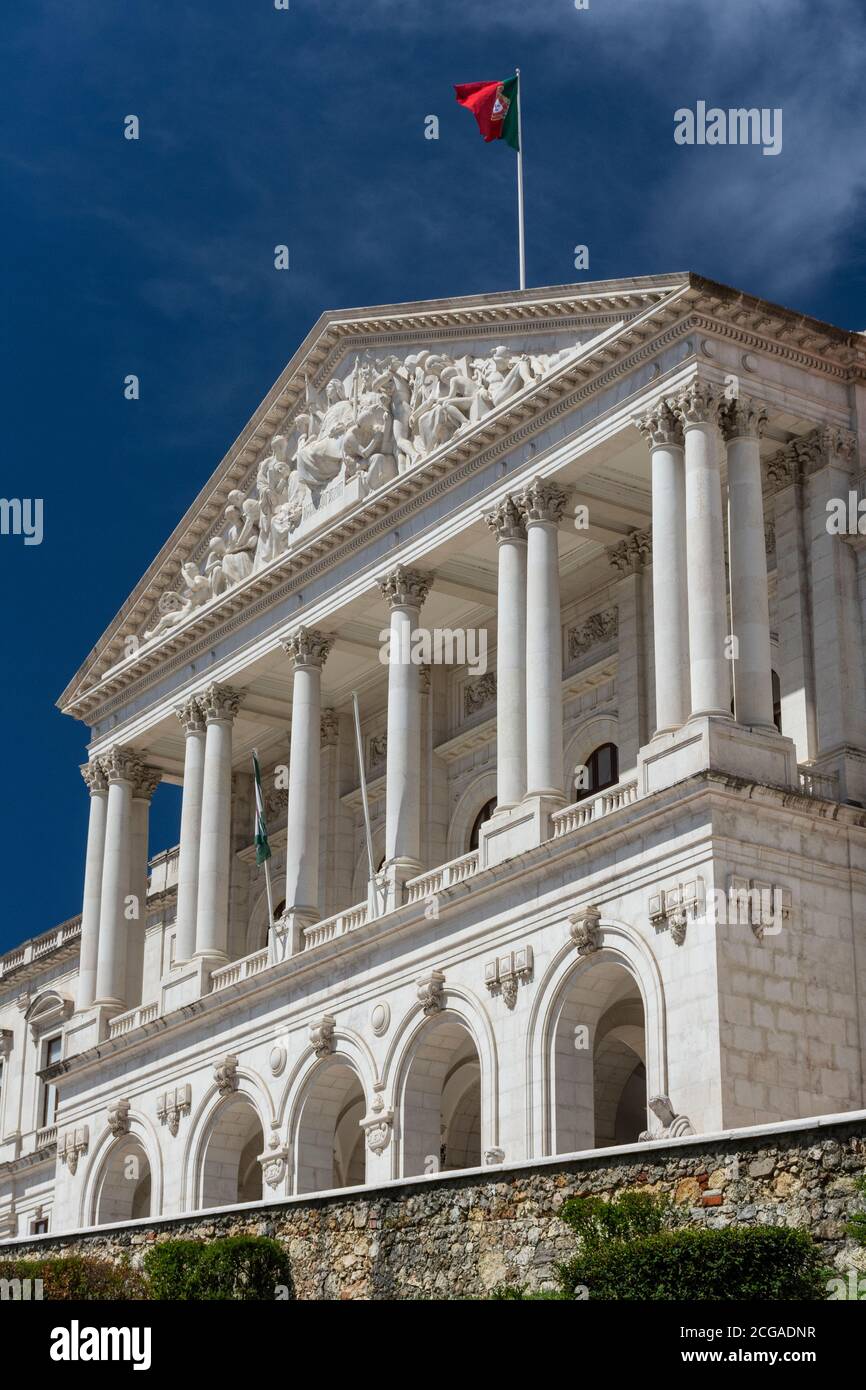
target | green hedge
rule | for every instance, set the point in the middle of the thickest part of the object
(236, 1267)
(78, 1278)
(769, 1263)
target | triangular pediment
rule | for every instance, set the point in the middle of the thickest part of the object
(372, 398)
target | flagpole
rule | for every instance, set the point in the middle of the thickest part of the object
(268, 888)
(521, 235)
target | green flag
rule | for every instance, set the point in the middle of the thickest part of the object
(263, 849)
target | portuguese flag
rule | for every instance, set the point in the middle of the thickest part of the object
(494, 106)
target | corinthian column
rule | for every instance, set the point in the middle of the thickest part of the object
(507, 524)
(698, 408)
(219, 704)
(308, 650)
(97, 784)
(145, 784)
(542, 505)
(122, 768)
(405, 591)
(191, 718)
(742, 423)
(663, 432)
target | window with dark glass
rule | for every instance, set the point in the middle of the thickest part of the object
(481, 819)
(602, 771)
(51, 1050)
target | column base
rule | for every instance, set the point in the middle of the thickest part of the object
(286, 937)
(721, 745)
(187, 982)
(387, 892)
(88, 1027)
(515, 829)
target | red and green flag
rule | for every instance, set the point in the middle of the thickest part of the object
(494, 106)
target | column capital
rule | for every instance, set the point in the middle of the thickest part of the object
(405, 588)
(219, 703)
(743, 418)
(542, 501)
(506, 521)
(95, 777)
(699, 403)
(191, 715)
(120, 764)
(145, 782)
(307, 646)
(660, 427)
(630, 555)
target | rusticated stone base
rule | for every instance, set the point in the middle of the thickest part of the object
(460, 1236)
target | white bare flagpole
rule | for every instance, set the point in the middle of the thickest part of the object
(363, 780)
(267, 862)
(521, 234)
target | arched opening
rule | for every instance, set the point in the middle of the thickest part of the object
(599, 1060)
(231, 1171)
(125, 1186)
(602, 770)
(330, 1142)
(440, 1119)
(481, 819)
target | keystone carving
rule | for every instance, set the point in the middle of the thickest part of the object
(322, 1035)
(431, 993)
(226, 1074)
(118, 1117)
(586, 930)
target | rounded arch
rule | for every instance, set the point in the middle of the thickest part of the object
(346, 1043)
(327, 1141)
(480, 790)
(445, 1086)
(622, 946)
(124, 1180)
(229, 1172)
(250, 1088)
(590, 734)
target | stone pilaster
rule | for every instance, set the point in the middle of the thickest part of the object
(629, 558)
(507, 523)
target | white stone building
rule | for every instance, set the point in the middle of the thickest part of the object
(624, 862)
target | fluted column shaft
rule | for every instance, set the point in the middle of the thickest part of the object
(308, 650)
(97, 784)
(143, 788)
(192, 719)
(742, 424)
(542, 505)
(405, 591)
(121, 767)
(220, 705)
(663, 432)
(698, 408)
(506, 522)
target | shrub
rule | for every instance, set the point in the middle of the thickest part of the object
(857, 1225)
(236, 1267)
(758, 1262)
(78, 1278)
(628, 1216)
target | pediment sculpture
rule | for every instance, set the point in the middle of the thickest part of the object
(385, 416)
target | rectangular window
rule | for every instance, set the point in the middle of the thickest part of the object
(51, 1050)
(40, 1227)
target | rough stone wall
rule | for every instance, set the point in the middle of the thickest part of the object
(459, 1237)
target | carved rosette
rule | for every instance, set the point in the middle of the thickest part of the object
(322, 1035)
(660, 427)
(220, 703)
(585, 930)
(743, 418)
(225, 1074)
(329, 726)
(307, 647)
(118, 1117)
(190, 715)
(542, 502)
(698, 404)
(431, 993)
(405, 588)
(121, 764)
(506, 521)
(95, 777)
(630, 556)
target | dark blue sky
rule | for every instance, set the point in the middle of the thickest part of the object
(306, 127)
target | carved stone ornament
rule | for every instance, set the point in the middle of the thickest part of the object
(431, 993)
(322, 1035)
(808, 453)
(72, 1146)
(190, 715)
(171, 1105)
(506, 521)
(542, 501)
(95, 777)
(225, 1074)
(145, 783)
(479, 694)
(120, 764)
(630, 555)
(660, 427)
(220, 703)
(673, 1126)
(329, 726)
(597, 630)
(585, 930)
(405, 588)
(378, 1127)
(274, 1167)
(307, 646)
(504, 974)
(743, 418)
(493, 1157)
(700, 403)
(118, 1117)
(277, 1059)
(671, 909)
